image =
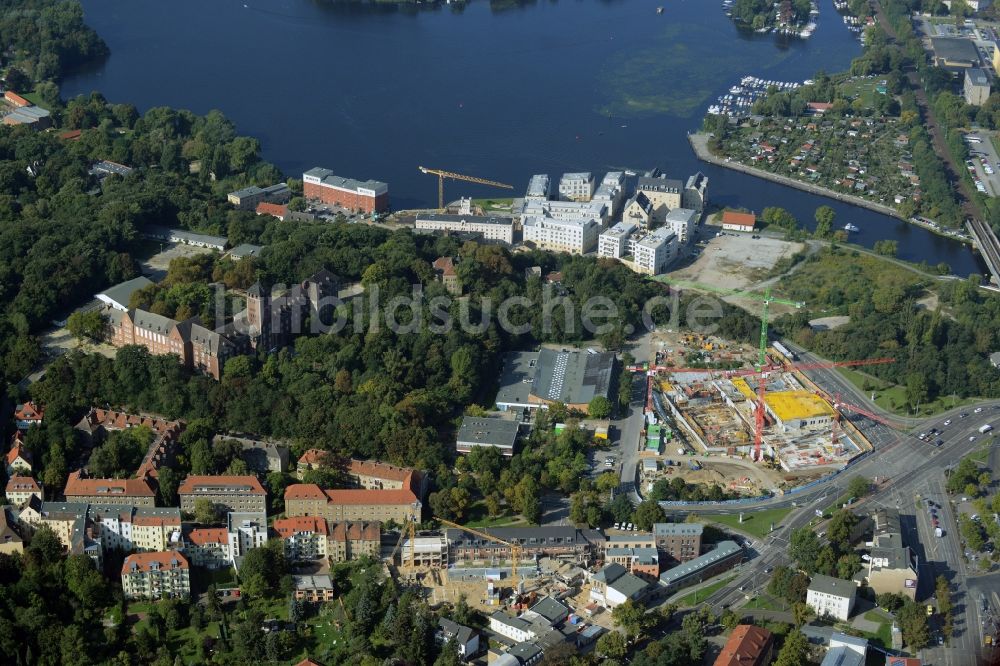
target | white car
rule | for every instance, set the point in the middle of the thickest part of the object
(948, 422)
(972, 438)
(978, 409)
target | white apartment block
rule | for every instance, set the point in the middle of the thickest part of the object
(247, 529)
(832, 596)
(539, 188)
(663, 193)
(514, 628)
(142, 529)
(652, 253)
(573, 236)
(611, 191)
(576, 186)
(613, 243)
(492, 228)
(681, 221)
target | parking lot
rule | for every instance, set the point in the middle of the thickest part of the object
(984, 163)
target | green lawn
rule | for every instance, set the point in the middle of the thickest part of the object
(33, 98)
(892, 397)
(493, 204)
(863, 88)
(701, 594)
(884, 633)
(479, 517)
(757, 523)
(981, 456)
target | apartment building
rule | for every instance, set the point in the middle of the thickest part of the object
(375, 475)
(313, 589)
(68, 520)
(577, 236)
(208, 547)
(613, 242)
(160, 575)
(370, 196)
(642, 562)
(248, 198)
(247, 529)
(723, 557)
(262, 456)
(308, 499)
(305, 537)
(614, 585)
(569, 543)
(664, 194)
(489, 226)
(611, 191)
(18, 460)
(576, 186)
(143, 529)
(831, 596)
(891, 566)
(133, 492)
(312, 459)
(679, 541)
(681, 221)
(748, 645)
(444, 271)
(20, 489)
(10, 537)
(353, 539)
(162, 450)
(695, 195)
(539, 188)
(638, 210)
(652, 253)
(976, 86)
(226, 493)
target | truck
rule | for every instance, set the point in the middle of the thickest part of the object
(784, 351)
(938, 532)
(985, 428)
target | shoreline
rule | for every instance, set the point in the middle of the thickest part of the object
(699, 144)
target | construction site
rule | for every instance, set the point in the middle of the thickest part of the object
(745, 419)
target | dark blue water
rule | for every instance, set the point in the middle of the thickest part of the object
(499, 90)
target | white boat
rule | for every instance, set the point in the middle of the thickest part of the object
(851, 228)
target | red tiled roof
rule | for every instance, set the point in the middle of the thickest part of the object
(16, 99)
(739, 219)
(23, 484)
(379, 470)
(71, 135)
(277, 210)
(301, 491)
(820, 106)
(77, 486)
(355, 531)
(203, 536)
(313, 457)
(445, 265)
(287, 527)
(379, 497)
(308, 662)
(29, 411)
(746, 646)
(15, 452)
(235, 482)
(144, 561)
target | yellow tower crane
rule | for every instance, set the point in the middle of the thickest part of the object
(457, 176)
(515, 548)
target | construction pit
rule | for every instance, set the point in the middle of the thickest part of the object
(712, 417)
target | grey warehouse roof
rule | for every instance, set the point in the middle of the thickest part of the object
(954, 49)
(245, 250)
(722, 550)
(977, 77)
(572, 377)
(121, 293)
(487, 431)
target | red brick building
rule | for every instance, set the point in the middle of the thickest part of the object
(370, 196)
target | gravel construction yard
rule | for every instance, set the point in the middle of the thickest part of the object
(734, 261)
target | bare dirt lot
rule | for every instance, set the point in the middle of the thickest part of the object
(155, 268)
(735, 261)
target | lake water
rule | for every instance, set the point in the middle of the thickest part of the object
(498, 90)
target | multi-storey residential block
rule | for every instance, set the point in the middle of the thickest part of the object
(351, 540)
(261, 455)
(652, 253)
(748, 645)
(695, 195)
(663, 193)
(308, 499)
(305, 537)
(611, 191)
(374, 475)
(539, 188)
(135, 492)
(158, 575)
(314, 589)
(208, 547)
(22, 488)
(162, 449)
(638, 210)
(18, 460)
(581, 546)
(613, 242)
(832, 596)
(226, 493)
(370, 196)
(491, 227)
(614, 585)
(312, 459)
(976, 86)
(723, 557)
(576, 186)
(681, 221)
(68, 520)
(127, 528)
(247, 529)
(10, 537)
(680, 541)
(574, 236)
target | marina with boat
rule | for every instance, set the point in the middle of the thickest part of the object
(740, 98)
